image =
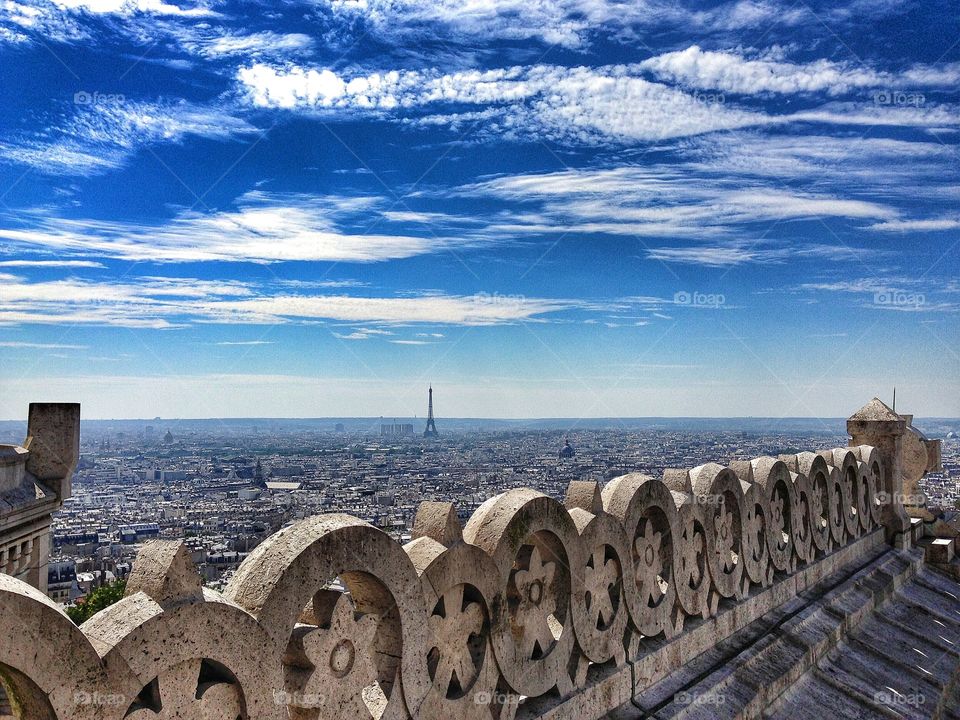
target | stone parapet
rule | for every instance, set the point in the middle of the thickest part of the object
(534, 608)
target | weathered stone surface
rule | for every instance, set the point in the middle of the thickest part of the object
(439, 521)
(165, 572)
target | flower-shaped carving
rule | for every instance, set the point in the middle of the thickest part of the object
(753, 532)
(723, 532)
(536, 605)
(649, 564)
(693, 541)
(816, 509)
(179, 694)
(342, 658)
(599, 577)
(801, 514)
(452, 632)
(778, 521)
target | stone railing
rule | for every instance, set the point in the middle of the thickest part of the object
(534, 608)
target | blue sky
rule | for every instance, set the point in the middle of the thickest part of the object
(576, 209)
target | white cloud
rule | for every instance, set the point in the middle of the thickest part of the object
(166, 302)
(50, 264)
(244, 343)
(658, 201)
(40, 346)
(219, 44)
(264, 228)
(731, 72)
(931, 225)
(131, 7)
(579, 105)
(105, 129)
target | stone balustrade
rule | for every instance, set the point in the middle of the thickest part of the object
(534, 608)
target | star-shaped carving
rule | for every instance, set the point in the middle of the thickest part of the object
(536, 604)
(777, 520)
(183, 697)
(723, 530)
(689, 570)
(649, 564)
(598, 580)
(816, 509)
(342, 658)
(452, 632)
(753, 532)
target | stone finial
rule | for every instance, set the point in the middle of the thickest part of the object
(165, 571)
(584, 494)
(53, 439)
(438, 521)
(878, 425)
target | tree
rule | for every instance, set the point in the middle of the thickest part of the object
(103, 597)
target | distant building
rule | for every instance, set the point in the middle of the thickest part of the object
(396, 430)
(567, 451)
(35, 479)
(62, 581)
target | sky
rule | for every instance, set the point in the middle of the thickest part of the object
(545, 209)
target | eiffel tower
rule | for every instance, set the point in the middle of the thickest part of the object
(431, 430)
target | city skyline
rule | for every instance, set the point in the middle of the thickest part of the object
(598, 209)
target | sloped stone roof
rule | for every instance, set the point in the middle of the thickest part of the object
(876, 409)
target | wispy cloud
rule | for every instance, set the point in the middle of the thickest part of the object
(264, 228)
(50, 264)
(155, 302)
(244, 343)
(731, 72)
(103, 131)
(40, 346)
(577, 105)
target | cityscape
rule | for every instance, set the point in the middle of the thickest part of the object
(224, 486)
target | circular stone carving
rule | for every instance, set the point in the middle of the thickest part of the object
(717, 490)
(460, 585)
(647, 511)
(293, 567)
(532, 540)
(876, 479)
(774, 477)
(756, 556)
(801, 515)
(691, 574)
(846, 463)
(601, 626)
(817, 472)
